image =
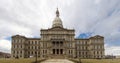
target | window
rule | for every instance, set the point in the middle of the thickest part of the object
(43, 51)
(17, 52)
(101, 52)
(28, 42)
(46, 51)
(28, 47)
(86, 53)
(82, 47)
(32, 52)
(69, 51)
(17, 46)
(12, 40)
(32, 42)
(38, 52)
(38, 47)
(21, 52)
(13, 52)
(83, 53)
(94, 52)
(32, 47)
(97, 52)
(79, 53)
(35, 42)
(85, 42)
(13, 46)
(35, 47)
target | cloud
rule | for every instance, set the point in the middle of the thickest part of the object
(112, 50)
(5, 46)
(85, 16)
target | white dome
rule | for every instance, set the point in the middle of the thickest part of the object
(57, 22)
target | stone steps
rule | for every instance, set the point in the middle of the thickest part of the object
(58, 56)
(57, 61)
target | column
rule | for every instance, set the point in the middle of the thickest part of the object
(59, 43)
(59, 51)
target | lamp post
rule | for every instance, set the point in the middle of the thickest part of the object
(112, 56)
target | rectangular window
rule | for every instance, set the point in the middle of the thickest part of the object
(69, 51)
(13, 52)
(21, 52)
(21, 46)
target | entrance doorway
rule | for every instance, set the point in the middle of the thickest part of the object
(57, 51)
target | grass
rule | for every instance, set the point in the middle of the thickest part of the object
(32, 60)
(97, 60)
(26, 60)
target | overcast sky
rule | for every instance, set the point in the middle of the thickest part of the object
(87, 17)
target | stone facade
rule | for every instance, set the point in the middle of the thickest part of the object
(57, 42)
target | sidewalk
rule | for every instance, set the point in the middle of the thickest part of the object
(57, 61)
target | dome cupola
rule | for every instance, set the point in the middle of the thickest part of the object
(57, 22)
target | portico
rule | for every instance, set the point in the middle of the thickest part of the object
(57, 47)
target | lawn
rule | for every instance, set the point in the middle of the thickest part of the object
(31, 60)
(10, 60)
(99, 60)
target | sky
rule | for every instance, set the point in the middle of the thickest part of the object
(87, 17)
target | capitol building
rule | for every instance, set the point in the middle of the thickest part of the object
(57, 42)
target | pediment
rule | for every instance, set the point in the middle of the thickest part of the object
(18, 36)
(57, 29)
(97, 36)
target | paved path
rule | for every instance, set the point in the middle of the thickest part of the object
(57, 61)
